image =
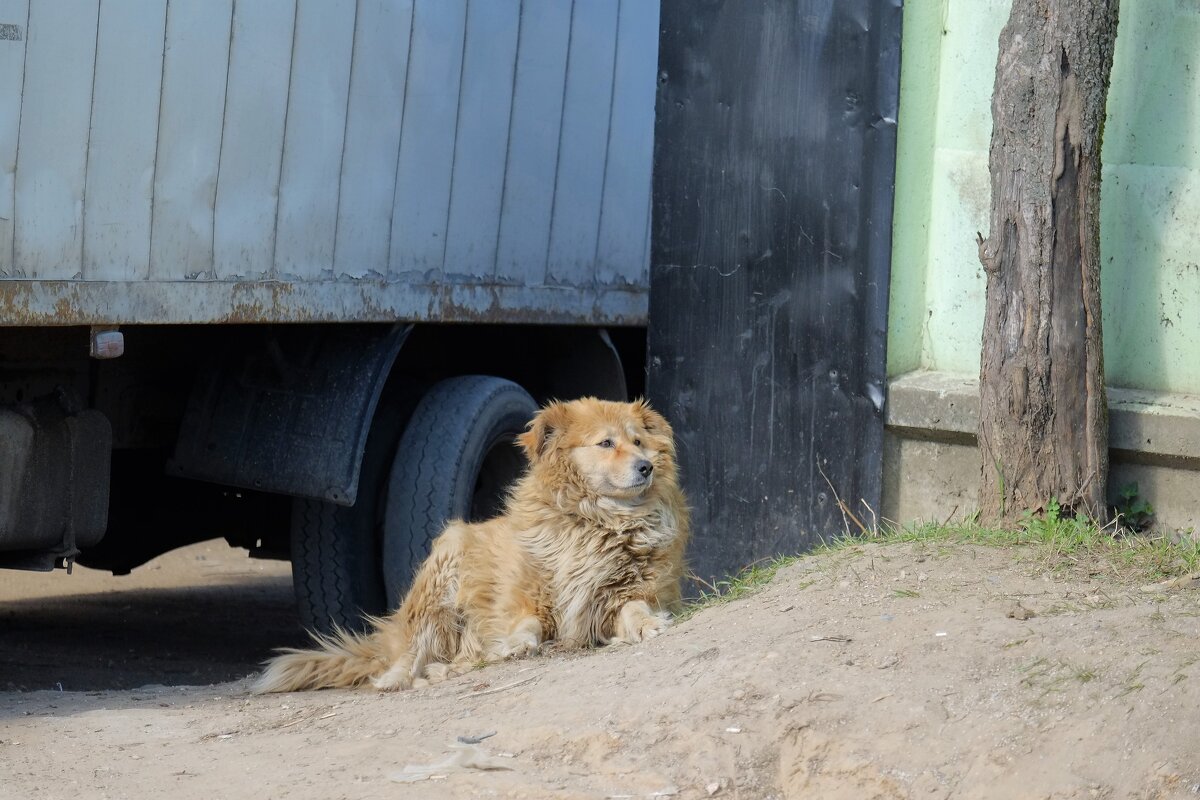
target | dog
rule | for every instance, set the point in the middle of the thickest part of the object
(588, 551)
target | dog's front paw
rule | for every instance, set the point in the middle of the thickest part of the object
(519, 644)
(638, 623)
(653, 626)
(524, 639)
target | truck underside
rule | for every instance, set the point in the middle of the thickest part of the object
(236, 432)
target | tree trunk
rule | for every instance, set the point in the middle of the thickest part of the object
(1043, 417)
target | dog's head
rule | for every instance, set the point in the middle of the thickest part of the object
(617, 450)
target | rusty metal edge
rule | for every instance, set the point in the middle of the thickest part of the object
(25, 303)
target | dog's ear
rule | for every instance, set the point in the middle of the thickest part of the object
(652, 421)
(537, 438)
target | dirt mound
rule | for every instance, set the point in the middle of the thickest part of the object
(888, 671)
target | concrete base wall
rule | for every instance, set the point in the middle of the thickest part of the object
(931, 462)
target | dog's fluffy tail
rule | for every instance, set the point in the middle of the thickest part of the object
(341, 660)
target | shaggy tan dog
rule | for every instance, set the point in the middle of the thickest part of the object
(588, 551)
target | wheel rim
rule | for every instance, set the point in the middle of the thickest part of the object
(502, 464)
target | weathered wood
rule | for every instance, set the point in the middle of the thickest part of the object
(1043, 428)
(774, 167)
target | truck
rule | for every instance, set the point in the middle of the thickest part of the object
(294, 273)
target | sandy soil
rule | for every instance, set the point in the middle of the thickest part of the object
(893, 671)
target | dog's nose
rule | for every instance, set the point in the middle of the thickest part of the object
(644, 468)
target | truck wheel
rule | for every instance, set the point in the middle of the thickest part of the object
(335, 564)
(455, 460)
(337, 550)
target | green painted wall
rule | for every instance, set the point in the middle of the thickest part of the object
(1150, 236)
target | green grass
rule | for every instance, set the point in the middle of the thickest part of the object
(1054, 676)
(749, 581)
(1133, 681)
(1063, 544)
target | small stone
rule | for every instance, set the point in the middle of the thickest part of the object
(1019, 611)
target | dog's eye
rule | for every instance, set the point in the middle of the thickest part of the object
(637, 442)
(607, 443)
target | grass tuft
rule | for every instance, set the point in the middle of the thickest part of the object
(1065, 544)
(749, 581)
(1072, 545)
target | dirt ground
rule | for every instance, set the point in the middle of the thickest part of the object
(893, 671)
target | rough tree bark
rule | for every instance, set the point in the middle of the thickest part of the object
(1043, 421)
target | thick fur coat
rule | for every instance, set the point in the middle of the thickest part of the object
(588, 551)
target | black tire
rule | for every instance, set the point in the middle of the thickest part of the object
(455, 460)
(335, 564)
(337, 551)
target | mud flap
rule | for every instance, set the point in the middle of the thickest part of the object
(290, 414)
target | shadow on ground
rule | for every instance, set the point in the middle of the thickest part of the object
(173, 636)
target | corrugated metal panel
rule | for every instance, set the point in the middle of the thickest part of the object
(313, 138)
(626, 206)
(121, 148)
(485, 103)
(55, 113)
(368, 182)
(583, 142)
(427, 139)
(14, 14)
(248, 173)
(189, 138)
(406, 159)
(524, 241)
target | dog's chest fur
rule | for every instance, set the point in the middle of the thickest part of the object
(598, 565)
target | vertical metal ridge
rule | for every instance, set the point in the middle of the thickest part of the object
(412, 24)
(562, 117)
(612, 101)
(273, 271)
(221, 142)
(337, 206)
(457, 116)
(87, 151)
(512, 104)
(17, 147)
(162, 80)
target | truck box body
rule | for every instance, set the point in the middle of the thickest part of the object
(430, 193)
(206, 161)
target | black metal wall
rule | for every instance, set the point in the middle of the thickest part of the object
(771, 236)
